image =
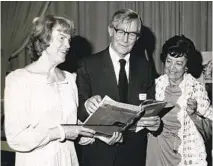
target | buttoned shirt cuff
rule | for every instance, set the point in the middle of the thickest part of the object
(138, 127)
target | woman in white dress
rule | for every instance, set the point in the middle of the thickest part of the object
(41, 100)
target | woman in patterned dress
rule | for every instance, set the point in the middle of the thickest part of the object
(179, 143)
(41, 100)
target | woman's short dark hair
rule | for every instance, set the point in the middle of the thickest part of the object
(179, 46)
(42, 31)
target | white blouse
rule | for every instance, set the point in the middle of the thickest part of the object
(32, 106)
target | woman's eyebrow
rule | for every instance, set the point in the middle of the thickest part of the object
(65, 35)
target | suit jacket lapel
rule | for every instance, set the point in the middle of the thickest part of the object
(109, 75)
(134, 75)
(110, 81)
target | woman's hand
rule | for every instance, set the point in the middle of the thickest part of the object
(116, 137)
(191, 106)
(72, 132)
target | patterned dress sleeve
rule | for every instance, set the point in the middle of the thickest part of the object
(203, 102)
(20, 133)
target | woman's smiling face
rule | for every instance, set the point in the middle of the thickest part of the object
(175, 67)
(59, 45)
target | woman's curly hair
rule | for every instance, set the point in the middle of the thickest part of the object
(178, 46)
(42, 31)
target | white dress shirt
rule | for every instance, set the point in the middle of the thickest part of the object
(116, 64)
(115, 61)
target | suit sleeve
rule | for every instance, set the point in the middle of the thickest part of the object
(203, 103)
(151, 86)
(84, 89)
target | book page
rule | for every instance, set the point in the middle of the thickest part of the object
(108, 101)
(112, 116)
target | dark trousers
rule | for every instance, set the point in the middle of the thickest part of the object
(131, 152)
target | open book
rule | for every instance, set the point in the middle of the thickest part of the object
(112, 116)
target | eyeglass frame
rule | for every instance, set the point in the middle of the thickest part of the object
(125, 32)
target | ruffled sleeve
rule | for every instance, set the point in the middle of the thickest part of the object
(203, 102)
(20, 133)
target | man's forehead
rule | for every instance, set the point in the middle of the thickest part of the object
(128, 24)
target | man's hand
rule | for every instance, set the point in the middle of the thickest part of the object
(151, 123)
(116, 137)
(86, 140)
(92, 104)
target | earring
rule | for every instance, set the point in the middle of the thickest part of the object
(186, 69)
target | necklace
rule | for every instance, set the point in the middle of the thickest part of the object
(38, 73)
(172, 84)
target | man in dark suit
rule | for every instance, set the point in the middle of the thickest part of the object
(125, 77)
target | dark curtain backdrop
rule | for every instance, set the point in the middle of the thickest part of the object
(162, 19)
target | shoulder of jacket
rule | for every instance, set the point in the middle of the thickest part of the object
(95, 57)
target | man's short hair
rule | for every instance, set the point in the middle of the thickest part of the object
(125, 15)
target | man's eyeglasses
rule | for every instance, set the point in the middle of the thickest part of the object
(121, 33)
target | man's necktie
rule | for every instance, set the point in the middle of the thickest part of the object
(122, 82)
